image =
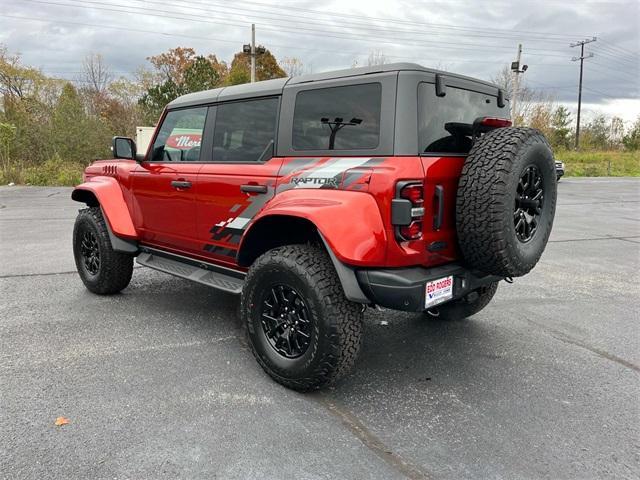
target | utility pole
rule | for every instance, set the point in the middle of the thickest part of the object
(253, 52)
(575, 59)
(515, 68)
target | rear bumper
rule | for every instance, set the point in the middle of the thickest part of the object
(404, 288)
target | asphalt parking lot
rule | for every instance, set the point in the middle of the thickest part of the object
(157, 382)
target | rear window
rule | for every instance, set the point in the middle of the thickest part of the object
(245, 130)
(338, 118)
(437, 116)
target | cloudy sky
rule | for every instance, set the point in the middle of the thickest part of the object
(472, 37)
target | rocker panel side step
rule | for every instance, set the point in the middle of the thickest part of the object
(205, 273)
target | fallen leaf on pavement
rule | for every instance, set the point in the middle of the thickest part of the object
(61, 421)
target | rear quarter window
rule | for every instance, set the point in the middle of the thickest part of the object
(457, 106)
(338, 118)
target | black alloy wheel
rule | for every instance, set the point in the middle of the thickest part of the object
(528, 203)
(90, 251)
(300, 326)
(102, 269)
(286, 321)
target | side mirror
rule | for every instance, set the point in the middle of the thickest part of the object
(124, 147)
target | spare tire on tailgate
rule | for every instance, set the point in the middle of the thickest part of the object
(506, 201)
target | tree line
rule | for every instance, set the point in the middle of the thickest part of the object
(51, 128)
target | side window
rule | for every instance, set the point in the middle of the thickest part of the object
(180, 136)
(245, 131)
(338, 118)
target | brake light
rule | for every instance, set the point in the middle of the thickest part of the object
(412, 231)
(407, 210)
(414, 193)
(495, 122)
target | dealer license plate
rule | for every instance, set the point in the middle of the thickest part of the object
(438, 291)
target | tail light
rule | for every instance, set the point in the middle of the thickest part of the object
(414, 193)
(412, 231)
(407, 210)
(495, 122)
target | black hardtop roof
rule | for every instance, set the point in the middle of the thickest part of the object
(275, 86)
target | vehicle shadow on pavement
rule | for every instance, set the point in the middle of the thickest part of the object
(410, 347)
(398, 347)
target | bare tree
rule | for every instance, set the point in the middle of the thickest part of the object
(96, 75)
(443, 66)
(528, 99)
(16, 80)
(617, 132)
(376, 57)
(292, 66)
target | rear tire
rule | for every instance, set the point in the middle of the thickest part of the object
(102, 270)
(302, 330)
(467, 306)
(506, 201)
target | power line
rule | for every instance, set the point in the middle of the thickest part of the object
(316, 13)
(280, 28)
(455, 46)
(609, 72)
(621, 49)
(545, 86)
(619, 55)
(623, 62)
(233, 11)
(227, 40)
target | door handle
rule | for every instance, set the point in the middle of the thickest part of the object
(437, 219)
(253, 188)
(180, 184)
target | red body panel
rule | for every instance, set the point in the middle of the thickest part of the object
(347, 199)
(166, 216)
(111, 199)
(444, 171)
(349, 221)
(221, 205)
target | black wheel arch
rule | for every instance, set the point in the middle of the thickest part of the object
(85, 196)
(275, 231)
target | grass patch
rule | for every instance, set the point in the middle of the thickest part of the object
(54, 172)
(600, 163)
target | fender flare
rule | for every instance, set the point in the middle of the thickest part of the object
(347, 276)
(358, 243)
(106, 193)
(349, 244)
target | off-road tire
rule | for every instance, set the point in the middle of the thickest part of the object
(116, 268)
(467, 306)
(486, 197)
(336, 322)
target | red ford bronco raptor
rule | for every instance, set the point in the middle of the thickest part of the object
(315, 196)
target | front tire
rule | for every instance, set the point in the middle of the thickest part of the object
(102, 270)
(302, 330)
